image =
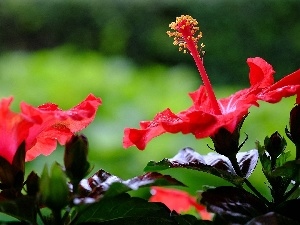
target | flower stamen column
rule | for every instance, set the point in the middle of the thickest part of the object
(186, 38)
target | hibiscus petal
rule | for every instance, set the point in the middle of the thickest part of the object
(261, 72)
(200, 124)
(178, 200)
(199, 97)
(286, 87)
(150, 129)
(56, 125)
(139, 138)
(14, 129)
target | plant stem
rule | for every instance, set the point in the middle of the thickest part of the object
(57, 217)
(256, 192)
(238, 171)
(75, 184)
(297, 151)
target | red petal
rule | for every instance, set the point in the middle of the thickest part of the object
(201, 124)
(13, 130)
(177, 200)
(56, 125)
(149, 130)
(200, 98)
(286, 87)
(261, 72)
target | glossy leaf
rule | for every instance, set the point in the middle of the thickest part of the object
(233, 204)
(126, 210)
(103, 184)
(247, 161)
(212, 163)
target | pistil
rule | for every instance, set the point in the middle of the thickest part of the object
(186, 38)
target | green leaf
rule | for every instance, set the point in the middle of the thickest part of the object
(283, 158)
(123, 209)
(233, 204)
(23, 208)
(265, 158)
(103, 184)
(212, 163)
(290, 169)
(270, 163)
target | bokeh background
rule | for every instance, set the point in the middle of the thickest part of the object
(60, 51)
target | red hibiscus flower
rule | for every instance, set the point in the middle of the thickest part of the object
(41, 127)
(55, 124)
(179, 201)
(207, 114)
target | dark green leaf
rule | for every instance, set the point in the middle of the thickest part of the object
(265, 159)
(290, 169)
(191, 220)
(212, 163)
(233, 204)
(295, 194)
(175, 220)
(123, 209)
(23, 208)
(283, 158)
(103, 184)
(272, 218)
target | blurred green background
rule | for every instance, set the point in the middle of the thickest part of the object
(60, 51)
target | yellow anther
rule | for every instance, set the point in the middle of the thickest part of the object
(185, 33)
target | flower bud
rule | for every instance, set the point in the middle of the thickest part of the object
(294, 133)
(227, 143)
(53, 188)
(275, 145)
(32, 184)
(75, 158)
